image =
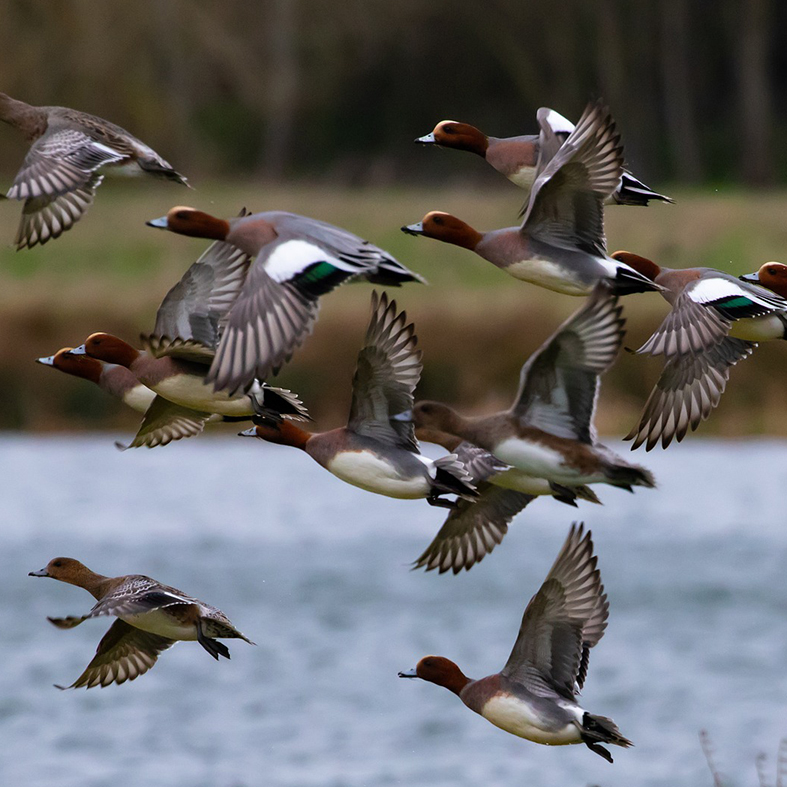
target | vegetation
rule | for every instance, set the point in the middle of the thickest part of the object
(476, 325)
(303, 88)
(761, 764)
(315, 112)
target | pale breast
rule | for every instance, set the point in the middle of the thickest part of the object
(139, 398)
(541, 460)
(376, 474)
(523, 177)
(530, 456)
(759, 329)
(549, 274)
(190, 391)
(160, 622)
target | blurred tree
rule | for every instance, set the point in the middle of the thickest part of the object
(754, 23)
(289, 88)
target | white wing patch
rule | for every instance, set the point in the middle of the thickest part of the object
(710, 290)
(558, 123)
(115, 154)
(292, 257)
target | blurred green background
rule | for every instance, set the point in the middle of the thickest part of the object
(312, 107)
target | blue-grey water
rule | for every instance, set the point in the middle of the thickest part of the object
(316, 572)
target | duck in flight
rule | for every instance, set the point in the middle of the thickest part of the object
(151, 617)
(560, 244)
(270, 297)
(535, 695)
(60, 173)
(716, 320)
(377, 450)
(517, 157)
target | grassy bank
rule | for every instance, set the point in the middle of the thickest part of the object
(475, 324)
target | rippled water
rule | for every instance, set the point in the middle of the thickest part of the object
(316, 572)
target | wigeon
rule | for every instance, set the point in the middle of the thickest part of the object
(560, 244)
(377, 450)
(269, 300)
(535, 695)
(180, 350)
(164, 423)
(772, 275)
(59, 176)
(505, 475)
(115, 380)
(517, 157)
(716, 321)
(184, 401)
(151, 617)
(548, 431)
(475, 527)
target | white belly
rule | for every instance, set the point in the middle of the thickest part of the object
(139, 398)
(548, 274)
(523, 177)
(522, 482)
(531, 457)
(758, 329)
(159, 622)
(190, 391)
(370, 472)
(517, 717)
(539, 460)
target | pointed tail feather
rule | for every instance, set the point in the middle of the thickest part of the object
(279, 403)
(155, 168)
(600, 729)
(586, 493)
(452, 477)
(627, 476)
(634, 192)
(389, 272)
(67, 623)
(570, 494)
(628, 281)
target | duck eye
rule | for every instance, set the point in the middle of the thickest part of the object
(57, 563)
(438, 219)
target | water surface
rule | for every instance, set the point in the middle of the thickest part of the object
(316, 572)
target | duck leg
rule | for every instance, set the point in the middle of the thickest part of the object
(600, 750)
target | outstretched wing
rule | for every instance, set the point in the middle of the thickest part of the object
(349, 254)
(567, 615)
(704, 312)
(689, 388)
(559, 383)
(136, 595)
(48, 216)
(124, 653)
(566, 201)
(166, 421)
(473, 529)
(389, 367)
(278, 305)
(191, 318)
(268, 322)
(60, 161)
